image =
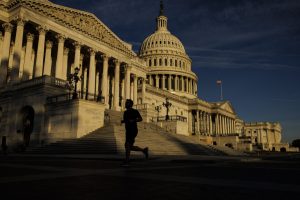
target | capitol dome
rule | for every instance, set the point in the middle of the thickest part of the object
(169, 65)
(162, 40)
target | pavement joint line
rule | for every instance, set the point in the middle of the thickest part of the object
(215, 182)
(136, 172)
(159, 177)
(44, 168)
(70, 172)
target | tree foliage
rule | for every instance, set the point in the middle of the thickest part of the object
(296, 143)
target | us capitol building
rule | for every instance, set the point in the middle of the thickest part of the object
(62, 69)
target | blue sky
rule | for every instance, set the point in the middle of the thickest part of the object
(253, 46)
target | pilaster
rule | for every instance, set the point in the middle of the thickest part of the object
(40, 51)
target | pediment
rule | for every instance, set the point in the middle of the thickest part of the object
(77, 20)
(227, 107)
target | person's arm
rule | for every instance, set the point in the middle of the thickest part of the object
(138, 116)
(124, 117)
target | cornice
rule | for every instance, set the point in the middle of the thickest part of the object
(84, 22)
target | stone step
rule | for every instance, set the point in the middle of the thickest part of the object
(110, 140)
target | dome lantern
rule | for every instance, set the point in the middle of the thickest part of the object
(161, 20)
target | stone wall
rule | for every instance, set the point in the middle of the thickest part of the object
(73, 119)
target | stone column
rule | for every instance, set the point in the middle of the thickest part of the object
(97, 84)
(143, 90)
(5, 53)
(1, 46)
(92, 74)
(224, 125)
(157, 80)
(65, 64)
(220, 125)
(40, 51)
(48, 58)
(201, 122)
(127, 82)
(210, 125)
(198, 121)
(163, 81)
(14, 75)
(216, 124)
(150, 80)
(117, 85)
(227, 124)
(59, 58)
(28, 70)
(233, 126)
(135, 89)
(123, 91)
(131, 88)
(77, 46)
(85, 82)
(206, 123)
(187, 84)
(80, 84)
(11, 58)
(182, 84)
(176, 83)
(170, 82)
(190, 122)
(104, 78)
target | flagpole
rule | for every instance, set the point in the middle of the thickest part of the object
(219, 82)
(221, 91)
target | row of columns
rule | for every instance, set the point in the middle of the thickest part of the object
(166, 62)
(180, 83)
(204, 123)
(33, 63)
(222, 124)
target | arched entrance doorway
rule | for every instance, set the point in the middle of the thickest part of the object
(26, 120)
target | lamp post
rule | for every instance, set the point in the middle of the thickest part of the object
(75, 78)
(157, 108)
(167, 104)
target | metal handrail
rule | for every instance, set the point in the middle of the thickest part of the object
(80, 95)
(171, 118)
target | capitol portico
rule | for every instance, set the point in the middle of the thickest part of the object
(41, 44)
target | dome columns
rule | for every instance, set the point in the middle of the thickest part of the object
(173, 82)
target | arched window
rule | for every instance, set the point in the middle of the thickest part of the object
(160, 62)
(175, 63)
(180, 63)
(171, 62)
(154, 62)
(166, 62)
(150, 63)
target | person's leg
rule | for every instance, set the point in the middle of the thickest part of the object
(137, 148)
(127, 151)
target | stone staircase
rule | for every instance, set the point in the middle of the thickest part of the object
(100, 141)
(111, 138)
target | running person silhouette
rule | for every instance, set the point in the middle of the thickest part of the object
(130, 118)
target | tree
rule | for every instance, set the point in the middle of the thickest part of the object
(296, 143)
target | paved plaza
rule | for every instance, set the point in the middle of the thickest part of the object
(187, 177)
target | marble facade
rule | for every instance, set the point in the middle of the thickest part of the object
(42, 43)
